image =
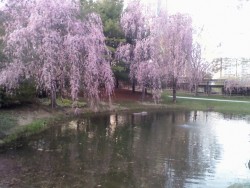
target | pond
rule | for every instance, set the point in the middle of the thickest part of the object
(126, 150)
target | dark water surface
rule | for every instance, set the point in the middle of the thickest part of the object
(167, 149)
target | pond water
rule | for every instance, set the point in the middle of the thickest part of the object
(166, 149)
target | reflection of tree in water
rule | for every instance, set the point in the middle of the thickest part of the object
(193, 152)
(157, 140)
(168, 156)
(118, 151)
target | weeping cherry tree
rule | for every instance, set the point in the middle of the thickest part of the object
(139, 51)
(50, 42)
(198, 68)
(158, 47)
(175, 46)
(134, 25)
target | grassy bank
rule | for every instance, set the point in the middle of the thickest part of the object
(218, 106)
(24, 131)
(42, 116)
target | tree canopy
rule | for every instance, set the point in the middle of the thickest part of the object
(64, 46)
(158, 47)
(47, 40)
(136, 29)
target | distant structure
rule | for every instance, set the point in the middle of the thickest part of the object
(233, 68)
(233, 72)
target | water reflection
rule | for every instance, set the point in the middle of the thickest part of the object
(167, 149)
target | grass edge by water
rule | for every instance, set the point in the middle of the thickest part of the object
(39, 125)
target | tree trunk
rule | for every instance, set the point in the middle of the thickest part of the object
(116, 83)
(143, 93)
(195, 90)
(207, 88)
(174, 90)
(53, 95)
(133, 85)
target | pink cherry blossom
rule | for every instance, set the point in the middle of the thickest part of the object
(51, 42)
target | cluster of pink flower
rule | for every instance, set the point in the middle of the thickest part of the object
(50, 42)
(47, 40)
(159, 46)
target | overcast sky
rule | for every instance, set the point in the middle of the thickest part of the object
(226, 24)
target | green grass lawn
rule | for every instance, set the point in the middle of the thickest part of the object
(63, 102)
(188, 94)
(226, 107)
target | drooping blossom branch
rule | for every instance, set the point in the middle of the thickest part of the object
(57, 48)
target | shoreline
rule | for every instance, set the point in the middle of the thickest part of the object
(33, 119)
(38, 124)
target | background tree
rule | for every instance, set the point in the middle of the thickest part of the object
(140, 51)
(236, 85)
(88, 6)
(146, 69)
(110, 12)
(175, 46)
(135, 25)
(198, 68)
(160, 45)
(47, 41)
(230, 85)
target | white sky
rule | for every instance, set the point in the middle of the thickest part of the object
(224, 22)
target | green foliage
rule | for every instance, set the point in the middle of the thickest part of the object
(110, 12)
(7, 122)
(112, 29)
(112, 43)
(2, 97)
(61, 102)
(35, 127)
(119, 68)
(88, 6)
(26, 93)
(121, 73)
(69, 103)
